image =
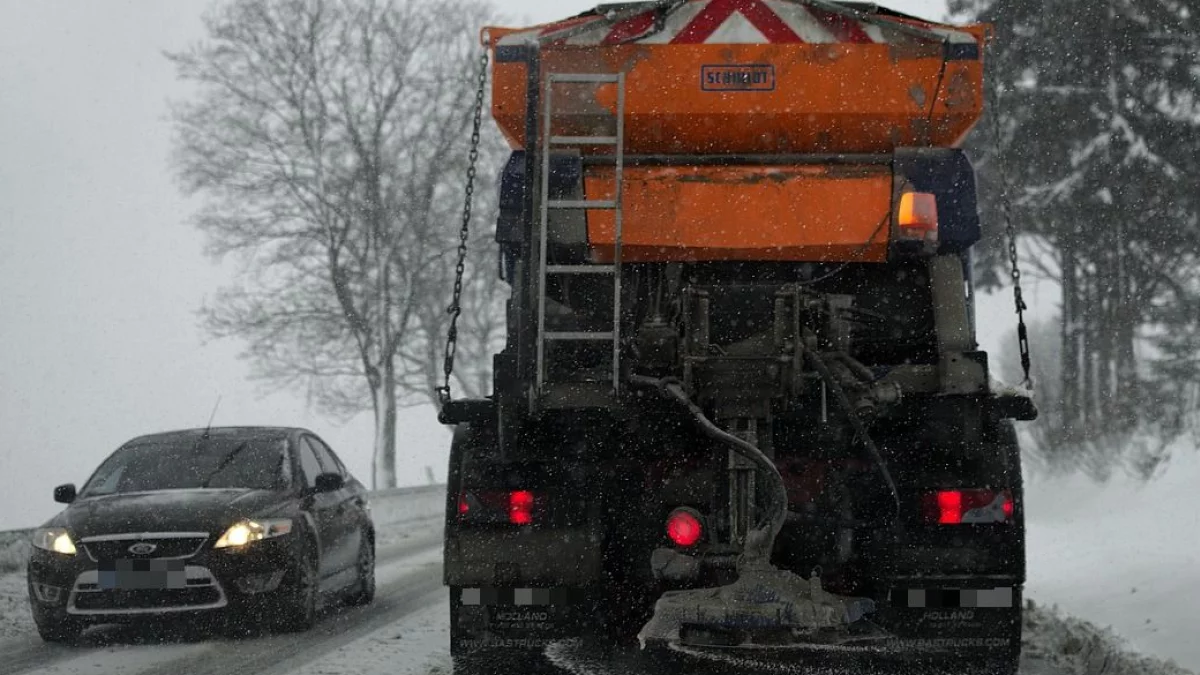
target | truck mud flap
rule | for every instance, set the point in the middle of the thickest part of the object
(488, 619)
(947, 618)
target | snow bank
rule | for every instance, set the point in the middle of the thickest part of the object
(1061, 645)
(403, 505)
(1124, 554)
(399, 513)
(14, 550)
(15, 619)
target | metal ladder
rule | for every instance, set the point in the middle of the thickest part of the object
(545, 270)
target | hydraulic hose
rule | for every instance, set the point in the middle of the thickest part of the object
(761, 540)
(864, 373)
(860, 429)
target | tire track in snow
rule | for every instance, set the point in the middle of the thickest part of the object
(278, 654)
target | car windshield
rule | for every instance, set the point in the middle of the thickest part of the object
(192, 463)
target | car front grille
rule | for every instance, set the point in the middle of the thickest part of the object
(179, 598)
(117, 547)
(201, 591)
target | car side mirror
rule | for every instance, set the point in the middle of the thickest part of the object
(330, 482)
(64, 494)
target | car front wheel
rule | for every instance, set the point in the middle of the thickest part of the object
(300, 605)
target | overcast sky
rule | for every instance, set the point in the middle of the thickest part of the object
(100, 273)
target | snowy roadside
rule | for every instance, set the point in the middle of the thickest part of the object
(394, 507)
(14, 549)
(14, 604)
(1125, 555)
(15, 620)
(1056, 644)
(398, 517)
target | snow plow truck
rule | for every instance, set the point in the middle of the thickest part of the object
(741, 407)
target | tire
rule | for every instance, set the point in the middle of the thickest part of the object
(299, 611)
(363, 592)
(60, 631)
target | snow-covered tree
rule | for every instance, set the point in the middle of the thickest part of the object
(1098, 107)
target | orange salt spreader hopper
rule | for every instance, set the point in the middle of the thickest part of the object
(753, 129)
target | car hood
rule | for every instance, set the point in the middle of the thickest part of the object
(167, 511)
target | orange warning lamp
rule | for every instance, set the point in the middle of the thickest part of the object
(917, 216)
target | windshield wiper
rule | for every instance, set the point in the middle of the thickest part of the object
(225, 462)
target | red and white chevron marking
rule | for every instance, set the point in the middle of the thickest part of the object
(725, 22)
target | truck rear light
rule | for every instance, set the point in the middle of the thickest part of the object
(515, 507)
(917, 217)
(973, 506)
(520, 507)
(684, 527)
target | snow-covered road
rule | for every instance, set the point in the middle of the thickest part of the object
(1125, 554)
(406, 632)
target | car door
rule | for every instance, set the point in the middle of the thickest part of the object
(321, 507)
(343, 523)
(357, 512)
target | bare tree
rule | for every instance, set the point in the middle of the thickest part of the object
(329, 139)
(481, 327)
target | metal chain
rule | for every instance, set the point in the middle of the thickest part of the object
(455, 308)
(1011, 233)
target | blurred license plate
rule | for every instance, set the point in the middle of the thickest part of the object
(142, 574)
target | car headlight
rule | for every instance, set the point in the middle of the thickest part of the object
(54, 539)
(247, 531)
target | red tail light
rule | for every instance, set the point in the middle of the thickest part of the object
(950, 507)
(684, 527)
(515, 507)
(520, 507)
(957, 507)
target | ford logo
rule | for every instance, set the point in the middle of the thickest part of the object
(142, 548)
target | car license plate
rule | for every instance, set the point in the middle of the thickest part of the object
(142, 574)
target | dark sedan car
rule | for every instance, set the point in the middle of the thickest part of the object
(246, 524)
